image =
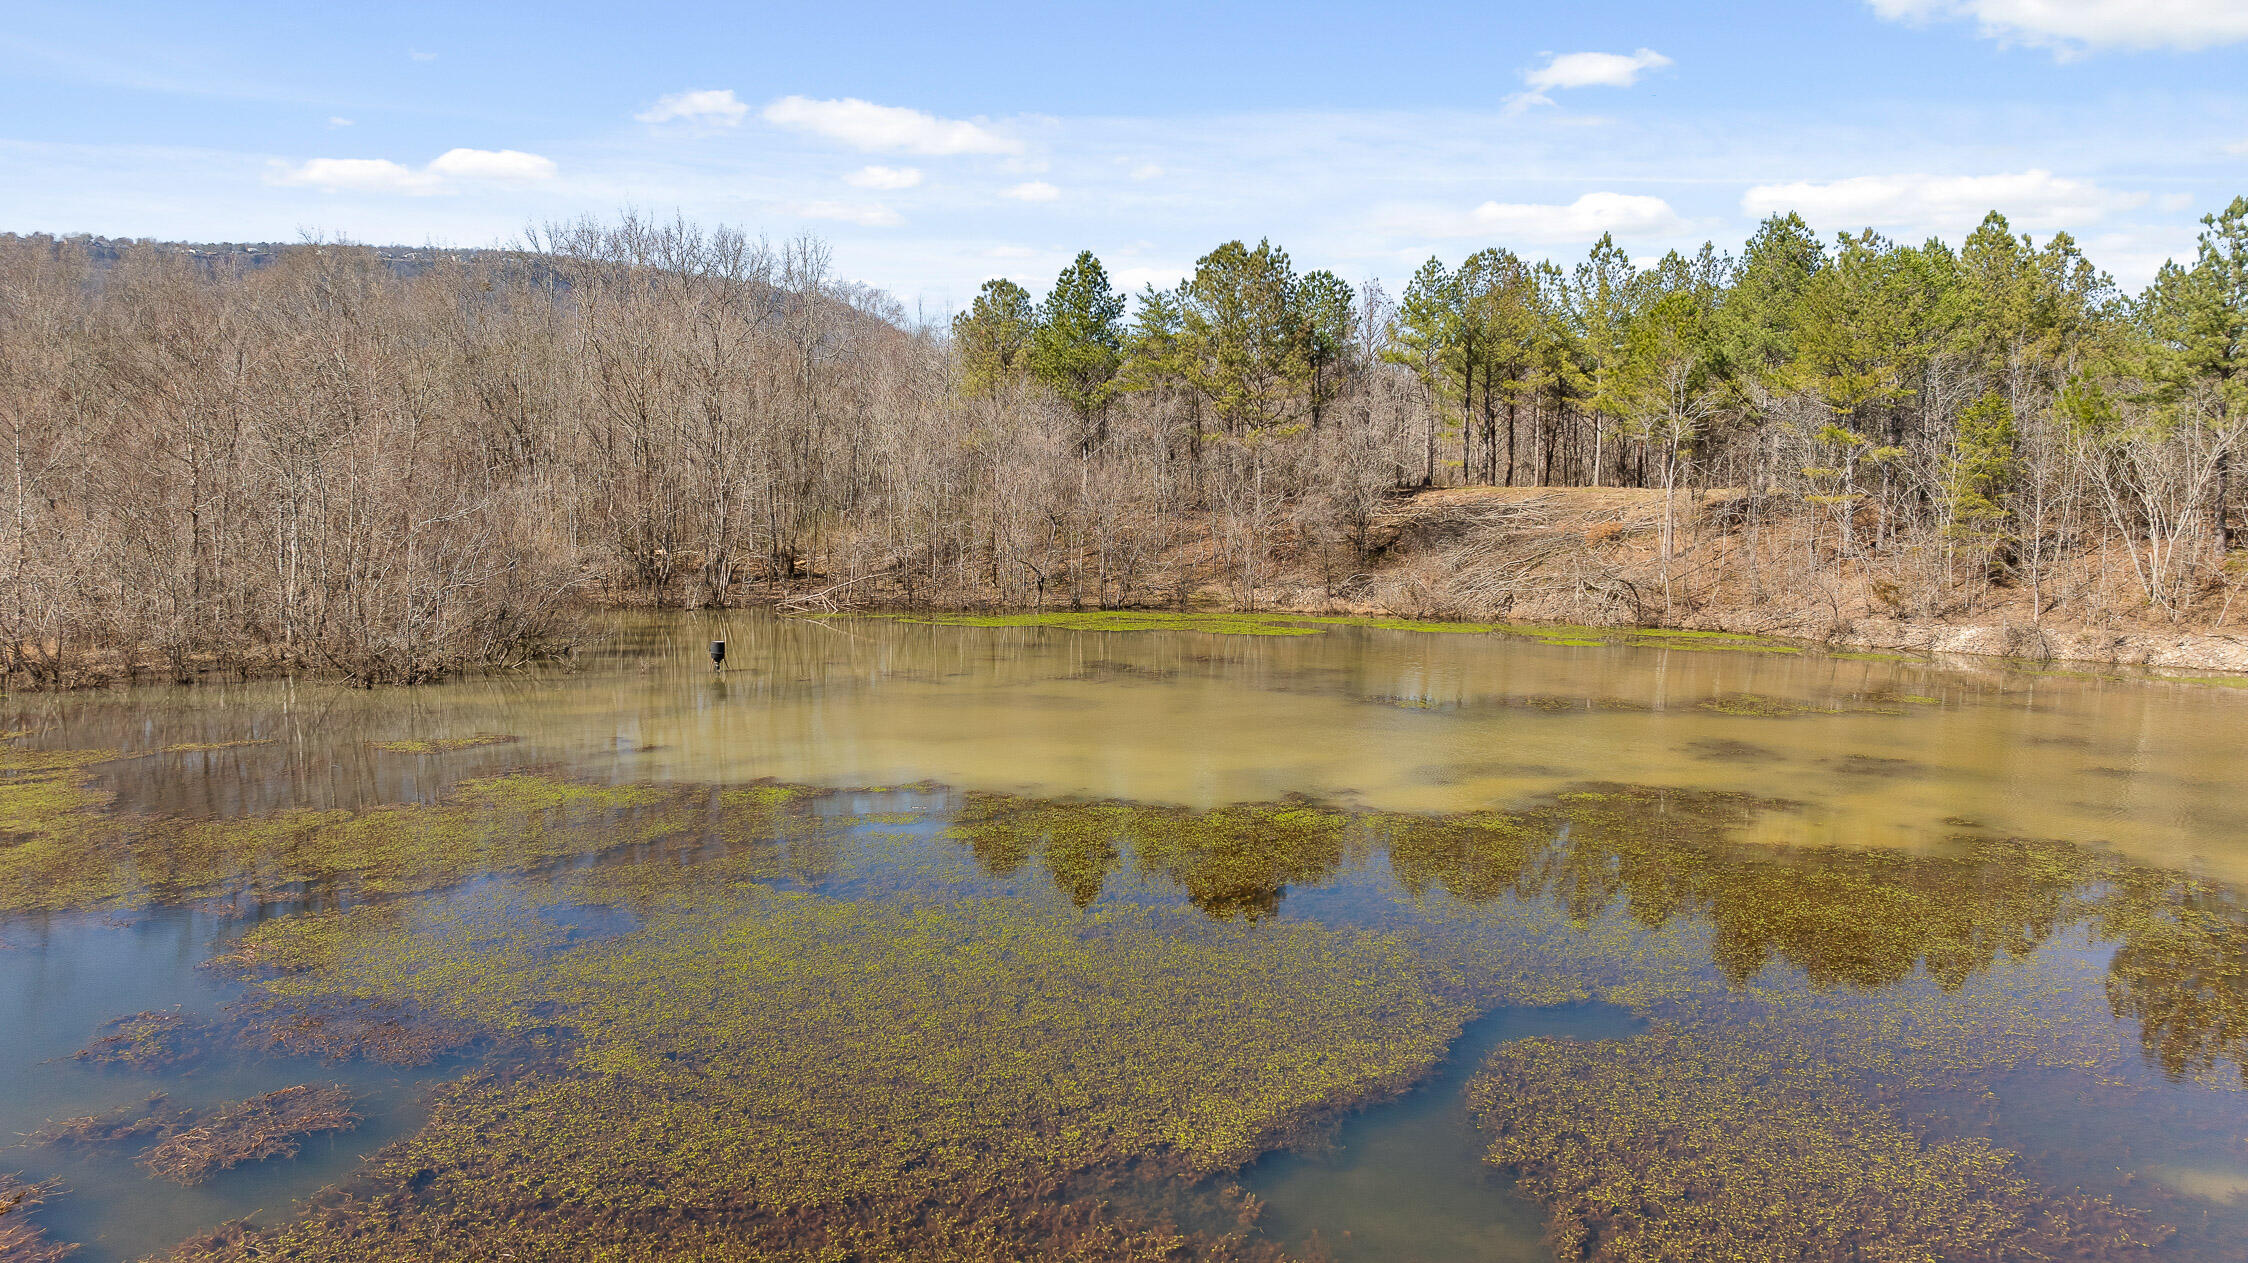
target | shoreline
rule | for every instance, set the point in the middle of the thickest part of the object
(2006, 645)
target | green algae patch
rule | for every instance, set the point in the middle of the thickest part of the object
(146, 1041)
(1234, 861)
(795, 1069)
(53, 829)
(207, 747)
(443, 745)
(1111, 621)
(1685, 1144)
(67, 853)
(2180, 971)
(1761, 706)
(1284, 623)
(744, 1071)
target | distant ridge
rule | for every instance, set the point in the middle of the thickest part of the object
(403, 261)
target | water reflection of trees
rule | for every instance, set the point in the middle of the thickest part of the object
(1840, 917)
(1231, 862)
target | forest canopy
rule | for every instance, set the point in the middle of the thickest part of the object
(314, 457)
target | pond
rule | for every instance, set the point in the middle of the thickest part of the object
(1122, 938)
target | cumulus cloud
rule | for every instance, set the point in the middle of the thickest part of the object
(2075, 26)
(1147, 171)
(703, 105)
(492, 164)
(1581, 220)
(338, 120)
(1032, 191)
(2031, 200)
(884, 177)
(444, 173)
(359, 175)
(1584, 70)
(864, 214)
(887, 128)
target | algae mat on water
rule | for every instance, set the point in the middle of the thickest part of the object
(688, 1060)
(1234, 623)
(60, 848)
(750, 1071)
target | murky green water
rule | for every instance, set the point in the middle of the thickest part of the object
(931, 941)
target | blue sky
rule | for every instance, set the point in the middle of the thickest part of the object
(936, 146)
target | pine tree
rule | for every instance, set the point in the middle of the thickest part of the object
(1077, 345)
(993, 334)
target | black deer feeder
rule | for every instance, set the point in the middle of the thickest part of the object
(717, 655)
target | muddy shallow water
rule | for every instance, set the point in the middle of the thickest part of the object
(1003, 942)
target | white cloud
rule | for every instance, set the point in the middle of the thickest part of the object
(703, 105)
(864, 214)
(1147, 171)
(2031, 200)
(337, 120)
(1032, 191)
(359, 175)
(1581, 220)
(1594, 70)
(2072, 26)
(1584, 70)
(2175, 202)
(444, 172)
(492, 164)
(1010, 252)
(419, 55)
(884, 177)
(892, 128)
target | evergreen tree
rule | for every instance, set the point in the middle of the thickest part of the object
(2197, 319)
(993, 334)
(1077, 345)
(1241, 343)
(1328, 311)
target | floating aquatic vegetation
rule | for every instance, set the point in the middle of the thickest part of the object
(808, 1069)
(147, 1041)
(2181, 972)
(22, 1241)
(1760, 706)
(50, 818)
(1283, 623)
(388, 1033)
(1874, 765)
(269, 1126)
(72, 855)
(1730, 751)
(1549, 703)
(737, 1071)
(1232, 861)
(1111, 621)
(443, 745)
(1703, 1144)
(205, 747)
(135, 1120)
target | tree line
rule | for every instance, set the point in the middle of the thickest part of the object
(312, 459)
